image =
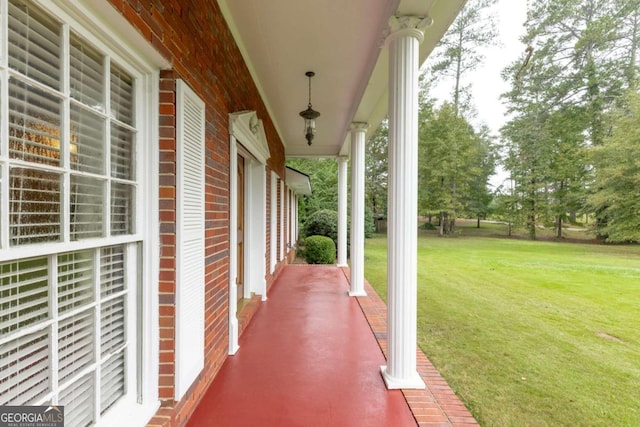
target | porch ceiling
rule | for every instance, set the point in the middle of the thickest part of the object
(342, 42)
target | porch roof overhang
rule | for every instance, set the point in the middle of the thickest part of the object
(298, 181)
(343, 43)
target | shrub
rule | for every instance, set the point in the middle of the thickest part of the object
(429, 226)
(322, 223)
(319, 250)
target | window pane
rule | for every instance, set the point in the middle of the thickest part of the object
(75, 280)
(111, 270)
(112, 325)
(87, 199)
(76, 343)
(121, 209)
(121, 95)
(24, 369)
(65, 181)
(34, 206)
(34, 124)
(24, 294)
(87, 141)
(112, 381)
(87, 74)
(122, 153)
(34, 43)
(78, 402)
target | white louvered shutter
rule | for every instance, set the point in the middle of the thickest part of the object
(190, 239)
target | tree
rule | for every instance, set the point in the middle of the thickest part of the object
(617, 183)
(527, 160)
(454, 159)
(582, 56)
(323, 174)
(478, 200)
(450, 160)
(459, 50)
(377, 170)
(568, 172)
(630, 38)
(577, 46)
(504, 206)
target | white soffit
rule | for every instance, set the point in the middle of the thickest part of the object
(342, 42)
(298, 181)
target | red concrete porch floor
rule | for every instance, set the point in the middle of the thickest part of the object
(311, 356)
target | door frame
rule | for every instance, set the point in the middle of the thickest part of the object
(248, 139)
(241, 223)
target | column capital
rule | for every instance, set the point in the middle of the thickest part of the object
(407, 26)
(359, 126)
(342, 159)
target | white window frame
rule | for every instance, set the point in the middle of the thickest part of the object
(274, 222)
(102, 26)
(283, 199)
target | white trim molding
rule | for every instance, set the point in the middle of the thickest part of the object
(342, 210)
(248, 139)
(282, 221)
(247, 128)
(273, 217)
(233, 243)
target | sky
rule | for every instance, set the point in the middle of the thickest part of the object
(486, 83)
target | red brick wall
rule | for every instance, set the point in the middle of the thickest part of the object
(167, 208)
(194, 37)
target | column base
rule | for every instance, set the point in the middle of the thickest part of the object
(233, 337)
(413, 382)
(342, 265)
(361, 293)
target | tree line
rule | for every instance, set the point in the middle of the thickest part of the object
(571, 145)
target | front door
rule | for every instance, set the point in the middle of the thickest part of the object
(240, 198)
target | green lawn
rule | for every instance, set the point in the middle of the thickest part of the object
(529, 333)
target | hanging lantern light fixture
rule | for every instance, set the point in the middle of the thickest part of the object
(309, 115)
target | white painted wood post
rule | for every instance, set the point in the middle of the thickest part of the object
(342, 211)
(357, 208)
(403, 41)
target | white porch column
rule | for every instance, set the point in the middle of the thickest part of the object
(296, 229)
(290, 216)
(294, 221)
(357, 208)
(342, 211)
(403, 41)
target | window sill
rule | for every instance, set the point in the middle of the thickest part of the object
(129, 414)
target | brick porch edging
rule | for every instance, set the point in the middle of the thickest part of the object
(435, 406)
